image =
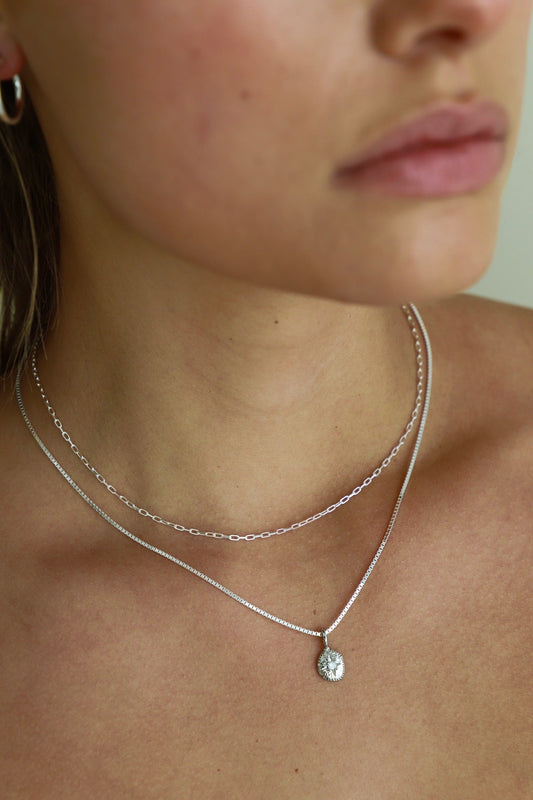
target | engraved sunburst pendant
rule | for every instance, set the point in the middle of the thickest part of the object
(330, 663)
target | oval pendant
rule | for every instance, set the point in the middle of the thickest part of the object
(330, 665)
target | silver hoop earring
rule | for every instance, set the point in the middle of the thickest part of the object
(12, 93)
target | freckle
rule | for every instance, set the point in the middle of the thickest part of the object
(245, 94)
(297, 770)
(276, 322)
(314, 612)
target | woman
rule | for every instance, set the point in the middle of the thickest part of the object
(228, 351)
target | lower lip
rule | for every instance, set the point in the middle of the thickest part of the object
(430, 171)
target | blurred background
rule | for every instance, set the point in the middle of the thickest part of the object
(510, 277)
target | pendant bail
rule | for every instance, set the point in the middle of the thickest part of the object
(325, 638)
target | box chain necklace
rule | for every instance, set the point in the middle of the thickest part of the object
(330, 663)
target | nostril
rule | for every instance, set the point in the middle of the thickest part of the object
(449, 35)
(452, 34)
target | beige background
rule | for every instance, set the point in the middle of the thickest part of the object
(510, 276)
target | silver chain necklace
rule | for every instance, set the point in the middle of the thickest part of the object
(175, 526)
(330, 664)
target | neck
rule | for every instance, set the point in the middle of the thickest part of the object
(241, 408)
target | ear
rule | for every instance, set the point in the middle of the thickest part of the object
(11, 55)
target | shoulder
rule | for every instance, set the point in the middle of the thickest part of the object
(479, 448)
(478, 476)
(496, 339)
(483, 357)
(479, 452)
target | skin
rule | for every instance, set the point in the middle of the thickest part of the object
(228, 325)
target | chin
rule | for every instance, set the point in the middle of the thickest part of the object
(424, 256)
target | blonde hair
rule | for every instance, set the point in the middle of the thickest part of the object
(29, 240)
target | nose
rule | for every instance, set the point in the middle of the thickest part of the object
(409, 28)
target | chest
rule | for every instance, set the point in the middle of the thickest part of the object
(434, 704)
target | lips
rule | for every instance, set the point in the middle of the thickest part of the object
(448, 124)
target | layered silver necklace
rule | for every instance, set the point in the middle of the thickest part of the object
(330, 664)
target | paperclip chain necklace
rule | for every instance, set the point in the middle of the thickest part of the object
(143, 512)
(330, 663)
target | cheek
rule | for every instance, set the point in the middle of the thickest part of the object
(201, 121)
(503, 64)
(174, 99)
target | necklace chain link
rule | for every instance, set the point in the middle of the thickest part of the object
(143, 512)
(309, 631)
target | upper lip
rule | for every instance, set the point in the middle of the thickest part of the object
(442, 124)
